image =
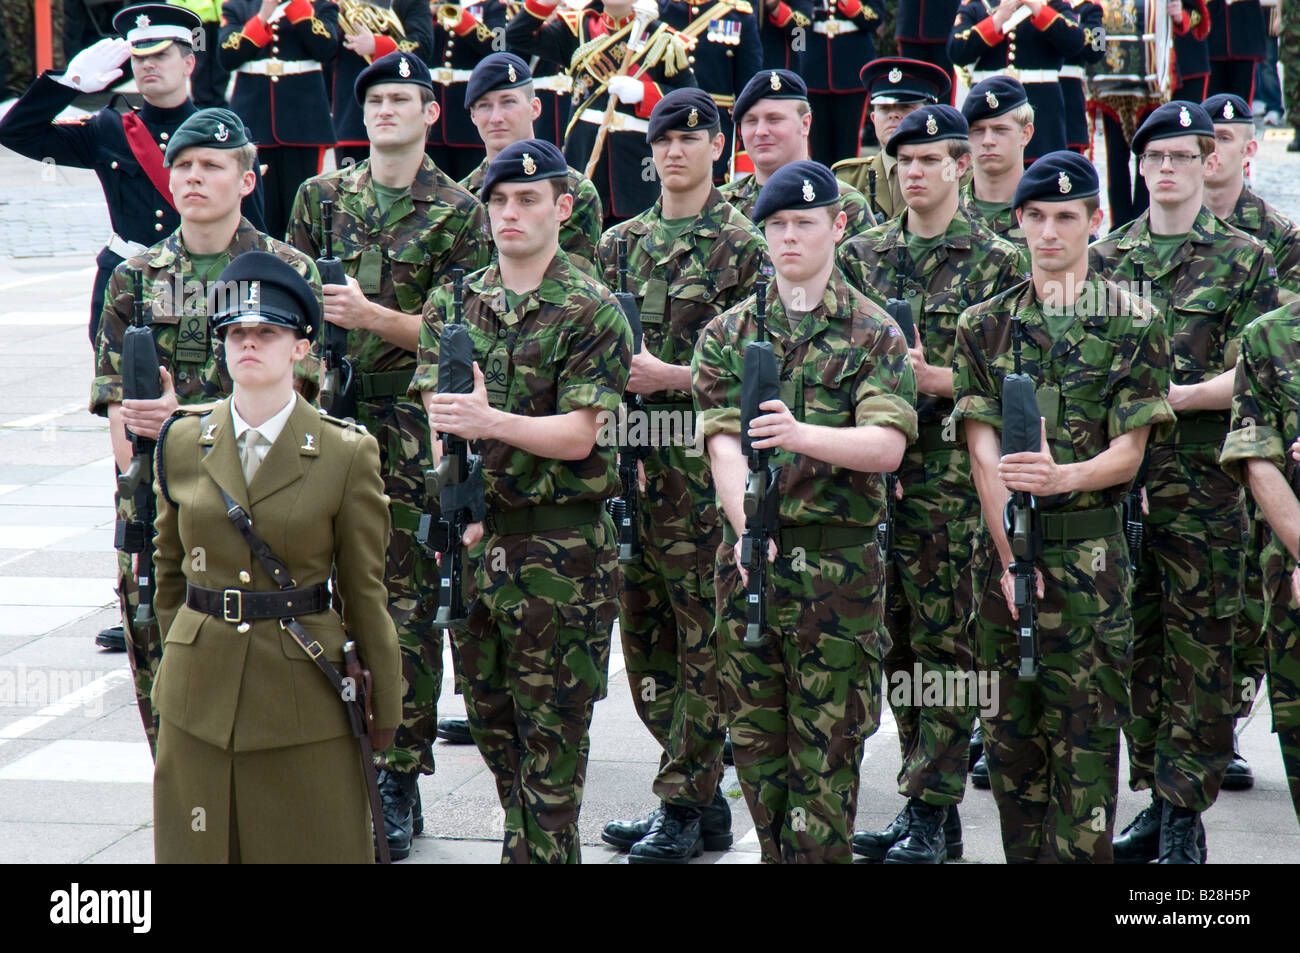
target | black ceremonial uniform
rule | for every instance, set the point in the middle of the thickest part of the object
(1238, 37)
(138, 212)
(349, 117)
(1033, 53)
(1191, 79)
(842, 40)
(780, 49)
(1074, 77)
(618, 176)
(922, 32)
(726, 54)
(458, 44)
(280, 91)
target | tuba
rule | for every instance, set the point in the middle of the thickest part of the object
(379, 20)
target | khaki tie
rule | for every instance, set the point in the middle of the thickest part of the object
(251, 458)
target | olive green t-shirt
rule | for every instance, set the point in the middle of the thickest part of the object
(675, 228)
(1166, 245)
(208, 267)
(918, 247)
(989, 210)
(386, 195)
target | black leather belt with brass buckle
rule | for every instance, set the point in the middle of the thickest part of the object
(243, 605)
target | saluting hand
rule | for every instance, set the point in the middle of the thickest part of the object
(468, 416)
(145, 418)
(1035, 473)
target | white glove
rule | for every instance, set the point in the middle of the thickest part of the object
(97, 67)
(627, 90)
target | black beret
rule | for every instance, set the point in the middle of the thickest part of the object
(396, 67)
(769, 84)
(900, 80)
(258, 287)
(152, 27)
(524, 161)
(214, 128)
(1226, 107)
(497, 71)
(993, 97)
(1057, 177)
(1178, 118)
(928, 124)
(801, 184)
(686, 108)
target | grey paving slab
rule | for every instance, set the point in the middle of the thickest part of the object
(90, 556)
(65, 843)
(63, 802)
(135, 847)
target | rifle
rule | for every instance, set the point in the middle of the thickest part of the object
(141, 380)
(457, 481)
(761, 382)
(1132, 505)
(1021, 433)
(901, 311)
(337, 393)
(871, 194)
(626, 508)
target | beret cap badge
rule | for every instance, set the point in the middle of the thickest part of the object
(222, 133)
(1184, 117)
(808, 192)
(693, 119)
(1228, 111)
(404, 68)
(510, 72)
(530, 167)
(991, 99)
(776, 81)
(931, 126)
(1063, 183)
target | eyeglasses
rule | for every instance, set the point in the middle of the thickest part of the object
(1180, 160)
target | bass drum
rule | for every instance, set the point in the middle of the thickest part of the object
(1135, 76)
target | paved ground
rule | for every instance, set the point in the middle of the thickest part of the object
(74, 769)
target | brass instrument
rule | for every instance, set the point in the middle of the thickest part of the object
(381, 21)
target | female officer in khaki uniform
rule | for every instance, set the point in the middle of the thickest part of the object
(256, 759)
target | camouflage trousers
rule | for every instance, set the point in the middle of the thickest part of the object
(802, 704)
(1053, 743)
(1250, 647)
(534, 660)
(928, 602)
(411, 576)
(1288, 54)
(666, 623)
(1186, 598)
(1283, 655)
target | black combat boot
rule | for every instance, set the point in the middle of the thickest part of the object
(417, 811)
(398, 790)
(455, 731)
(674, 839)
(979, 773)
(1180, 832)
(715, 823)
(113, 638)
(874, 845)
(1294, 144)
(623, 834)
(924, 843)
(952, 833)
(1238, 776)
(1139, 843)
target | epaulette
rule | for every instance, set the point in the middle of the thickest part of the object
(850, 163)
(341, 423)
(741, 6)
(189, 410)
(572, 19)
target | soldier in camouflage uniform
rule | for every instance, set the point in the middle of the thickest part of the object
(1260, 454)
(1001, 125)
(895, 88)
(773, 120)
(1207, 281)
(552, 352)
(1228, 197)
(801, 703)
(501, 104)
(1099, 365)
(691, 256)
(400, 226)
(940, 261)
(176, 274)
(1288, 54)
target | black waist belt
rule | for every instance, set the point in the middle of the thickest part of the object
(1080, 524)
(384, 384)
(239, 605)
(1192, 430)
(817, 537)
(930, 438)
(539, 519)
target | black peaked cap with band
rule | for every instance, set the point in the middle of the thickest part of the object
(1057, 177)
(396, 67)
(524, 161)
(259, 288)
(152, 27)
(896, 79)
(932, 123)
(800, 184)
(686, 108)
(769, 84)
